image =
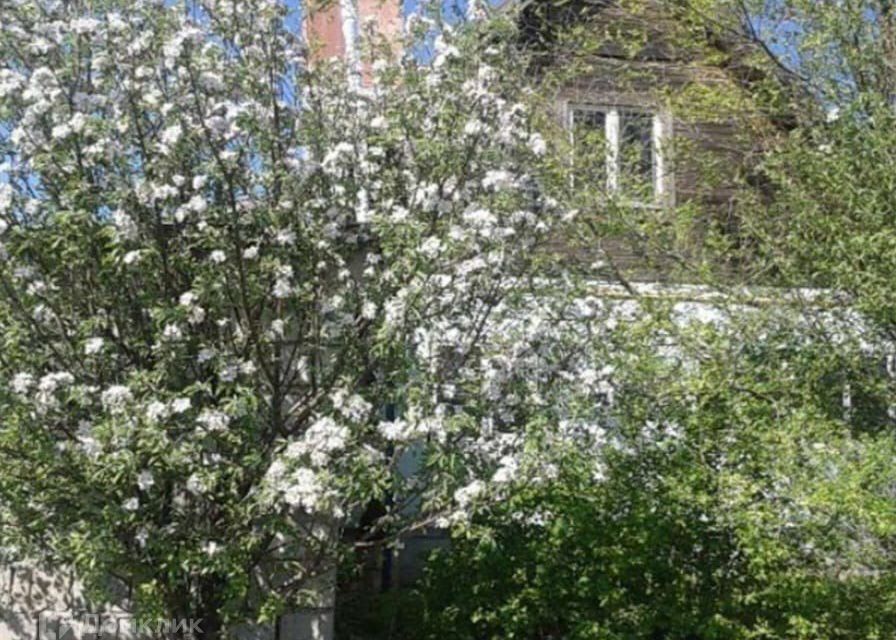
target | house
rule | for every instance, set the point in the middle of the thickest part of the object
(662, 119)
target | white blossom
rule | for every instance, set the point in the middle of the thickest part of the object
(247, 367)
(21, 383)
(368, 310)
(198, 204)
(352, 406)
(473, 127)
(53, 381)
(497, 179)
(431, 247)
(282, 288)
(6, 200)
(145, 480)
(93, 346)
(84, 26)
(172, 332)
(156, 410)
(116, 398)
(196, 485)
(211, 548)
(171, 135)
(285, 237)
(180, 405)
(507, 471)
(212, 420)
(125, 227)
(303, 489)
(61, 132)
(322, 439)
(537, 144)
(394, 430)
(466, 495)
(237, 268)
(187, 299)
(86, 440)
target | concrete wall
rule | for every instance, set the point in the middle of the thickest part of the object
(42, 605)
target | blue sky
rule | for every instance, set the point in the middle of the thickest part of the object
(411, 6)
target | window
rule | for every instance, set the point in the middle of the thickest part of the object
(621, 146)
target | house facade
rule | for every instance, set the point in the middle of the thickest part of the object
(662, 124)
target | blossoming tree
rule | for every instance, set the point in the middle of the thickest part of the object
(222, 267)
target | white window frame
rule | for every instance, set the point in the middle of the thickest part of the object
(662, 178)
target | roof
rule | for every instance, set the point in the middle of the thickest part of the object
(737, 50)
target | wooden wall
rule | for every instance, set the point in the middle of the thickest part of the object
(609, 56)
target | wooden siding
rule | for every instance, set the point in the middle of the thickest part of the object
(708, 151)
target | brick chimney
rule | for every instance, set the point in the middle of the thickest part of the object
(332, 28)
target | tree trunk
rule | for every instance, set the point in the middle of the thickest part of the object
(210, 627)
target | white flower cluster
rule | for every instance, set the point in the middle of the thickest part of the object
(414, 428)
(302, 488)
(45, 391)
(116, 398)
(213, 421)
(322, 439)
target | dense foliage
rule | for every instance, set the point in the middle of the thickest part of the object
(758, 509)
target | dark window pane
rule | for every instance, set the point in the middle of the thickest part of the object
(636, 155)
(587, 120)
(589, 135)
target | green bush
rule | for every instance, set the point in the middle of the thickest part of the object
(627, 559)
(731, 501)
